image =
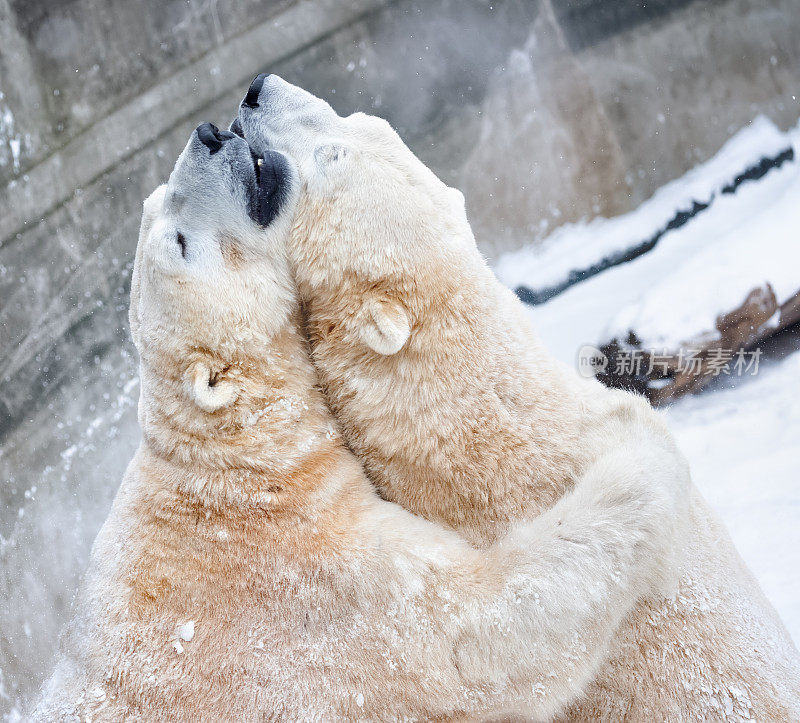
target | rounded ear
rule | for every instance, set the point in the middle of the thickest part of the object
(384, 326)
(209, 390)
(456, 199)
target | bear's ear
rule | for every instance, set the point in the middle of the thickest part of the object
(384, 326)
(209, 389)
(457, 200)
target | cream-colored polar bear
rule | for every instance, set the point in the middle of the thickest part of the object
(460, 415)
(249, 571)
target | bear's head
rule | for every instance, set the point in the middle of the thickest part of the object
(211, 285)
(371, 215)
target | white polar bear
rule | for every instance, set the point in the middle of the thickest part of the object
(248, 570)
(459, 414)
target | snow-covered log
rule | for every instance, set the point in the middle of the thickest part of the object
(697, 297)
(575, 253)
(730, 348)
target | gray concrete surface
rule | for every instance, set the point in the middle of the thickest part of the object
(542, 112)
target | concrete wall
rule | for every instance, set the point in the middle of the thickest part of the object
(542, 112)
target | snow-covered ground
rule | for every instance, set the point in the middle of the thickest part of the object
(743, 444)
(742, 435)
(577, 246)
(672, 293)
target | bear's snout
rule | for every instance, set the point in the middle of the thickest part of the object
(212, 137)
(251, 99)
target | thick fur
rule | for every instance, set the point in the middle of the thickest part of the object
(459, 414)
(249, 571)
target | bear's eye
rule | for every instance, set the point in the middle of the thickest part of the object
(182, 243)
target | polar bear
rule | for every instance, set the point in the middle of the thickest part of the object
(459, 414)
(248, 569)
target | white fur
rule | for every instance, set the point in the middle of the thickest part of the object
(210, 397)
(385, 327)
(309, 597)
(472, 424)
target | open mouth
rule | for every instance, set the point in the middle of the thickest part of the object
(269, 170)
(266, 202)
(258, 164)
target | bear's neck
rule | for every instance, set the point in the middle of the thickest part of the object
(272, 445)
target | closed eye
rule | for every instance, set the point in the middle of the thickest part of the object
(182, 243)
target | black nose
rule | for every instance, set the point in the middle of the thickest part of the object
(212, 137)
(251, 99)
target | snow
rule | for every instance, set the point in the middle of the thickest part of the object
(743, 445)
(757, 243)
(578, 246)
(742, 435)
(185, 634)
(7, 133)
(186, 631)
(675, 292)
